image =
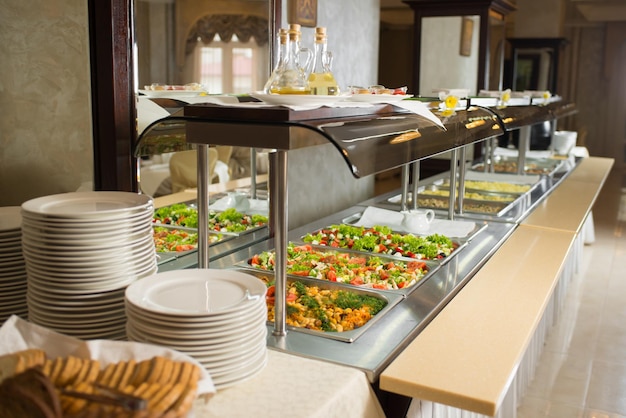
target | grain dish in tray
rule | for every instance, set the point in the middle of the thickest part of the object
(348, 267)
(331, 310)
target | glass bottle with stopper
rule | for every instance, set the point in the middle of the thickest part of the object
(280, 63)
(321, 79)
(292, 77)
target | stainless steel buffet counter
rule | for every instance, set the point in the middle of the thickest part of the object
(370, 140)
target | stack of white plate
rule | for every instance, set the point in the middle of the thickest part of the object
(81, 251)
(12, 269)
(216, 316)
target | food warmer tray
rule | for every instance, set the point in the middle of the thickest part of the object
(232, 242)
(430, 264)
(459, 242)
(167, 256)
(385, 339)
(391, 298)
(508, 165)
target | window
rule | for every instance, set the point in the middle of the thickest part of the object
(229, 67)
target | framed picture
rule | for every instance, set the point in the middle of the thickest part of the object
(467, 31)
(302, 12)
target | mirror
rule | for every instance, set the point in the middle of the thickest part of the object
(534, 63)
(222, 45)
(449, 53)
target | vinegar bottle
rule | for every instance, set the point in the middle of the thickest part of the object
(321, 79)
(291, 79)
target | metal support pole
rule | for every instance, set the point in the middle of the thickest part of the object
(461, 188)
(405, 187)
(454, 158)
(415, 184)
(278, 214)
(253, 173)
(523, 146)
(203, 206)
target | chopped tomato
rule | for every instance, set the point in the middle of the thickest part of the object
(379, 286)
(256, 260)
(356, 282)
(300, 273)
(416, 265)
(331, 275)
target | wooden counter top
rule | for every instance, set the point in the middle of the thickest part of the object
(567, 207)
(592, 169)
(467, 355)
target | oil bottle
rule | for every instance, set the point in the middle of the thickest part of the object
(321, 80)
(292, 79)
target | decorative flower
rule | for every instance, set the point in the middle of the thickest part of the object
(504, 98)
(449, 102)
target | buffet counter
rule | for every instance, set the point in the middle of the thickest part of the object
(479, 352)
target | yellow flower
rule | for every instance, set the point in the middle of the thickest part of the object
(546, 95)
(451, 102)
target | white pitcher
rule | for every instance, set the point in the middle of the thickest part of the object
(417, 220)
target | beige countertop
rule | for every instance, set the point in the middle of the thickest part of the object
(567, 207)
(468, 355)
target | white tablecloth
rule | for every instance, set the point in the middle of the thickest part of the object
(296, 387)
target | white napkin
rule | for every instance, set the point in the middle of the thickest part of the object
(376, 216)
(257, 206)
(506, 152)
(17, 334)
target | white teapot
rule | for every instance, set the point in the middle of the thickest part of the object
(417, 220)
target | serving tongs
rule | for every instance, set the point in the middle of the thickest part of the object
(110, 396)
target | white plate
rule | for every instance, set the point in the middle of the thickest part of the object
(202, 346)
(298, 99)
(121, 235)
(97, 205)
(95, 224)
(378, 98)
(241, 315)
(199, 292)
(172, 94)
(235, 378)
(250, 360)
(109, 255)
(10, 218)
(95, 300)
(198, 336)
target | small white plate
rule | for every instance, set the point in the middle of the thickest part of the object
(88, 205)
(298, 99)
(378, 98)
(200, 292)
(10, 218)
(172, 94)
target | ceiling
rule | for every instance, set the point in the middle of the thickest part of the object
(591, 10)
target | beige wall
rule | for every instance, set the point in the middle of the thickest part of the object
(45, 111)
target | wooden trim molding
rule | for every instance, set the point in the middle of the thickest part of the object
(112, 94)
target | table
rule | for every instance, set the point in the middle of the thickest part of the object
(296, 387)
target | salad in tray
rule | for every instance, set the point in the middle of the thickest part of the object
(229, 220)
(344, 267)
(178, 240)
(382, 239)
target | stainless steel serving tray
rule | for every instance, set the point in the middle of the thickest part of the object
(165, 256)
(390, 298)
(508, 165)
(432, 266)
(236, 234)
(459, 243)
